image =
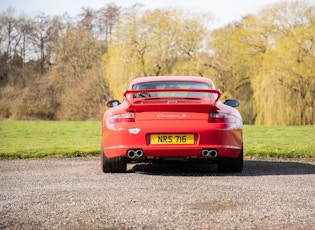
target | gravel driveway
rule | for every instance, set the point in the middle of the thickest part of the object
(75, 194)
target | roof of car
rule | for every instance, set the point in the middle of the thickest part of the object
(171, 78)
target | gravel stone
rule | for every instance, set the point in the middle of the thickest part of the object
(73, 193)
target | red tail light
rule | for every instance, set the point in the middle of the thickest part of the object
(215, 117)
(120, 118)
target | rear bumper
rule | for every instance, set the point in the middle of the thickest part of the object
(227, 142)
(157, 153)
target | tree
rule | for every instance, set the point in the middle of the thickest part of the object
(284, 88)
(45, 33)
(77, 76)
(10, 38)
(153, 43)
(267, 62)
(100, 22)
(106, 19)
(237, 54)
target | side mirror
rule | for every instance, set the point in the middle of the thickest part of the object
(112, 103)
(232, 103)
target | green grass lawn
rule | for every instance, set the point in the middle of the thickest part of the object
(279, 141)
(35, 139)
(28, 139)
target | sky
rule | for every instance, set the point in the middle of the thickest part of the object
(224, 11)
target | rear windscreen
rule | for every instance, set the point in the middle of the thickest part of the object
(171, 85)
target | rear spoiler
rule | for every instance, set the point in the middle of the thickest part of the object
(137, 105)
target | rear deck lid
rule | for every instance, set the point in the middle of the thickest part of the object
(172, 100)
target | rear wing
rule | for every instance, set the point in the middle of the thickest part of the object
(171, 102)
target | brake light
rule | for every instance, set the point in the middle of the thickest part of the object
(120, 118)
(215, 117)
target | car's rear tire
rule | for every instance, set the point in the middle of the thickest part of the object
(231, 165)
(113, 165)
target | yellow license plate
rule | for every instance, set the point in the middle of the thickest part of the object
(187, 139)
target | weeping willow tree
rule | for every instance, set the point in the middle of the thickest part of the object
(267, 61)
(285, 85)
(153, 43)
(237, 54)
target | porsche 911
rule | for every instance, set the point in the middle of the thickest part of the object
(172, 118)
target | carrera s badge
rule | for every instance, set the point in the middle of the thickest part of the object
(178, 116)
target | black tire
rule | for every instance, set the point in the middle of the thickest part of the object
(231, 165)
(113, 165)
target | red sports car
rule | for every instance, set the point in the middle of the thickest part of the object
(172, 118)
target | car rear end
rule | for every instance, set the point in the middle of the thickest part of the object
(172, 127)
(141, 135)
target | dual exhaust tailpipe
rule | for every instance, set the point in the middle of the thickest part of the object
(209, 153)
(135, 153)
(138, 153)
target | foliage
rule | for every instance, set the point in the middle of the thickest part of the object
(61, 68)
(285, 86)
(269, 59)
(153, 43)
(36, 139)
(50, 67)
(77, 77)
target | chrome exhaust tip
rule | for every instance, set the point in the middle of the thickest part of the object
(213, 153)
(135, 153)
(139, 153)
(210, 153)
(205, 153)
(131, 154)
